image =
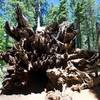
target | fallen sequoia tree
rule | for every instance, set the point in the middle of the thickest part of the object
(47, 59)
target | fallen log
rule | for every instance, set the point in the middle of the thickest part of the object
(37, 57)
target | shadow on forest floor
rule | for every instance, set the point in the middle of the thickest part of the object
(96, 91)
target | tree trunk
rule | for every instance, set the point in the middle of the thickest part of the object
(79, 39)
(98, 36)
(7, 40)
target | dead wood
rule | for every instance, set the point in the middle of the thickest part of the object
(49, 54)
(69, 76)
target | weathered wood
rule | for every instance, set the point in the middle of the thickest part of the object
(22, 30)
(69, 76)
(49, 54)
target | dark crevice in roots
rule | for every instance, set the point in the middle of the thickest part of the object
(36, 83)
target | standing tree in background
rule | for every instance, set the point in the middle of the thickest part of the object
(77, 8)
(57, 13)
(38, 15)
(39, 9)
(98, 37)
(98, 13)
(79, 17)
(52, 14)
(98, 28)
(82, 12)
(63, 11)
(4, 42)
(91, 21)
(31, 8)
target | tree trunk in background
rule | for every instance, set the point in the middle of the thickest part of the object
(98, 42)
(62, 11)
(79, 17)
(88, 34)
(79, 39)
(38, 17)
(6, 41)
(93, 29)
(88, 41)
(91, 21)
(37, 13)
(98, 36)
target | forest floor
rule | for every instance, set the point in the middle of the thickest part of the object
(87, 94)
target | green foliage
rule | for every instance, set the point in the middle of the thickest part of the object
(2, 41)
(57, 13)
(83, 14)
(62, 11)
(2, 71)
(79, 11)
(52, 15)
(98, 13)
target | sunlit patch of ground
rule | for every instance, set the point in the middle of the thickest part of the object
(31, 96)
(87, 94)
(84, 95)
